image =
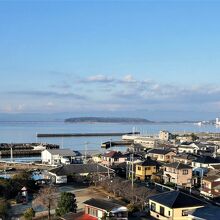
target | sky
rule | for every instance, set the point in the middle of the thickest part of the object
(154, 59)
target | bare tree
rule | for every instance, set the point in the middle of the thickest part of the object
(47, 197)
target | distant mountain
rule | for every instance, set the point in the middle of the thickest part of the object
(107, 120)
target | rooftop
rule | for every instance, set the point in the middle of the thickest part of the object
(159, 151)
(114, 154)
(207, 160)
(148, 162)
(176, 199)
(79, 169)
(103, 204)
(178, 165)
(62, 152)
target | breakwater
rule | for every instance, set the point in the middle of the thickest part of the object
(87, 134)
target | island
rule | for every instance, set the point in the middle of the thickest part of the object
(107, 120)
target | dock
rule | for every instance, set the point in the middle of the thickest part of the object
(86, 134)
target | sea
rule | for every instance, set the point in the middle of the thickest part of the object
(26, 132)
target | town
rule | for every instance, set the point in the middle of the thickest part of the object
(164, 176)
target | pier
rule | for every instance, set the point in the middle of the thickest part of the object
(86, 134)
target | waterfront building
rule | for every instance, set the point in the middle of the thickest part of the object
(58, 156)
(146, 142)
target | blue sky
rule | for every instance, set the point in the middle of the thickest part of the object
(154, 59)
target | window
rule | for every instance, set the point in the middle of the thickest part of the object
(161, 210)
(153, 206)
(147, 168)
(168, 213)
(185, 172)
(139, 168)
(185, 212)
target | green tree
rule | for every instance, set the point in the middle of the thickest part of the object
(66, 203)
(29, 214)
(194, 137)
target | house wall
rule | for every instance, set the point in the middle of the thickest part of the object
(182, 149)
(163, 158)
(178, 214)
(182, 177)
(208, 188)
(156, 213)
(110, 161)
(142, 171)
(148, 143)
(169, 213)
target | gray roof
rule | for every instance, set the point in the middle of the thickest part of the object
(177, 199)
(178, 165)
(79, 169)
(208, 212)
(159, 151)
(103, 204)
(62, 152)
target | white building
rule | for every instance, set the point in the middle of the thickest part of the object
(147, 142)
(164, 135)
(217, 122)
(57, 156)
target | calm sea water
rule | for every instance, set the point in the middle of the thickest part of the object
(24, 132)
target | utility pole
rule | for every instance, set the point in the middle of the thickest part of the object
(62, 143)
(132, 173)
(11, 154)
(86, 147)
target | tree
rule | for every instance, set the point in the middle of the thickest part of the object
(3, 209)
(29, 214)
(194, 137)
(47, 197)
(66, 203)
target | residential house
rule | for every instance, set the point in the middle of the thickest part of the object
(178, 173)
(185, 138)
(58, 156)
(145, 169)
(211, 185)
(100, 208)
(162, 155)
(205, 161)
(61, 174)
(173, 205)
(113, 157)
(188, 147)
(185, 158)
